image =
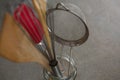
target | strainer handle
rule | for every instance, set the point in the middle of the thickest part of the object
(59, 5)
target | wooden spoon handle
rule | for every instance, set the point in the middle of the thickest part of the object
(37, 6)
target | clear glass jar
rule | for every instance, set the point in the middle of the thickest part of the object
(67, 67)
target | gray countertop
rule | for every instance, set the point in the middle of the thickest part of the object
(97, 59)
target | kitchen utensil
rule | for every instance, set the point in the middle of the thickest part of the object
(16, 46)
(70, 28)
(24, 15)
(53, 63)
(40, 7)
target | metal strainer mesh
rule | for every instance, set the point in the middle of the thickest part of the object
(69, 28)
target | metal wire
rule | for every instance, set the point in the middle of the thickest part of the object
(42, 45)
(65, 40)
(70, 42)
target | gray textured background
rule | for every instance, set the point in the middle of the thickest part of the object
(97, 59)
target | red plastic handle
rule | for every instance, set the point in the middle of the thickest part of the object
(25, 16)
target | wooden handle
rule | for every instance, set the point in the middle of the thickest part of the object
(15, 45)
(40, 12)
(43, 7)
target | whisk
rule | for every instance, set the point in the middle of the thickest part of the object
(25, 16)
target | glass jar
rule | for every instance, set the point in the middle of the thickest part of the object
(67, 67)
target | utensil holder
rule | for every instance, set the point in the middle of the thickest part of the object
(67, 67)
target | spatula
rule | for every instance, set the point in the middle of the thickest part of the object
(16, 46)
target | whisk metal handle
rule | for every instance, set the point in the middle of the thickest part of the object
(55, 68)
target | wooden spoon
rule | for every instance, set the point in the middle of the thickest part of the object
(40, 7)
(15, 45)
